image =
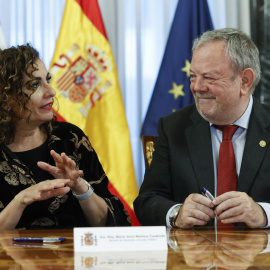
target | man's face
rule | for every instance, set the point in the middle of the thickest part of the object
(217, 93)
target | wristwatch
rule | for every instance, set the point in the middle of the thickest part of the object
(85, 195)
(174, 214)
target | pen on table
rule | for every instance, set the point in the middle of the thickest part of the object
(207, 194)
(40, 239)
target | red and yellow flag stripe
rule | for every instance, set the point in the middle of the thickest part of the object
(88, 92)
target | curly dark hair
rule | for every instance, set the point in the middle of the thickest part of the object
(14, 63)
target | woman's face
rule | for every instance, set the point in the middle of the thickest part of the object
(41, 100)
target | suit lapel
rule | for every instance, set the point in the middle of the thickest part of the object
(200, 148)
(255, 147)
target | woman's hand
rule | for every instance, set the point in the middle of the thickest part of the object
(12, 213)
(65, 168)
(94, 207)
(43, 191)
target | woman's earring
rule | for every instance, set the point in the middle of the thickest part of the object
(8, 114)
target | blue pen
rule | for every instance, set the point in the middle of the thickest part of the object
(39, 239)
(208, 195)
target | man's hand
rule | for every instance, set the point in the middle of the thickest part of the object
(235, 206)
(196, 210)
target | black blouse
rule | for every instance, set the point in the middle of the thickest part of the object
(31, 157)
(19, 170)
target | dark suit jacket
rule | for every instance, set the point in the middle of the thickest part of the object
(183, 163)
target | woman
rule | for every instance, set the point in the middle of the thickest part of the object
(40, 188)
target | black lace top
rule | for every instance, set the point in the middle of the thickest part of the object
(19, 171)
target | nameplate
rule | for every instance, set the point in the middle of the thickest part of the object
(93, 239)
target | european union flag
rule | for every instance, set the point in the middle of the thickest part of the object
(172, 92)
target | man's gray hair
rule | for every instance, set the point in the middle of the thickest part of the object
(239, 47)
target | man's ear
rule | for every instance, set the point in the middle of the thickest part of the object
(247, 79)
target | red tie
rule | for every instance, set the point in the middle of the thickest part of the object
(227, 176)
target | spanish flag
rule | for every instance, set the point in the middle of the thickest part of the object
(88, 92)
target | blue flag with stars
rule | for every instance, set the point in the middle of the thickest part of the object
(171, 91)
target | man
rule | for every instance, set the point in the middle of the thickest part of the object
(224, 71)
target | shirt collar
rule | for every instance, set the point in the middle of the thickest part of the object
(244, 119)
